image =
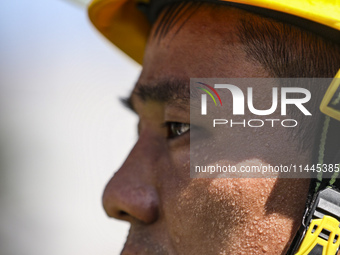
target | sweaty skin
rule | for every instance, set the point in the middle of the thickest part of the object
(169, 212)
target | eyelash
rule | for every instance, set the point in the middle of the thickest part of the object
(174, 129)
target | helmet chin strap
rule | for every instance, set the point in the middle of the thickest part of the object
(328, 154)
(329, 145)
(325, 186)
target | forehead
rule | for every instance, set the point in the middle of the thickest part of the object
(199, 42)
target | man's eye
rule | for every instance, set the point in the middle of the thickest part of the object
(176, 129)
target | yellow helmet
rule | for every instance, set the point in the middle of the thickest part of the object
(128, 28)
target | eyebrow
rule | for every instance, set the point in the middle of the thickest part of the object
(164, 91)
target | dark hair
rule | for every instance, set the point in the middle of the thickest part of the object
(284, 50)
(287, 51)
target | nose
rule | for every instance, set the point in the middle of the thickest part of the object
(130, 194)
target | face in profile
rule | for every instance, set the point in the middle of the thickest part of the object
(171, 213)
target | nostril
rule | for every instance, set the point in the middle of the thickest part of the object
(122, 213)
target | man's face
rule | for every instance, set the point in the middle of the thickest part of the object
(171, 213)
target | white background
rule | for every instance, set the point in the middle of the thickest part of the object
(63, 131)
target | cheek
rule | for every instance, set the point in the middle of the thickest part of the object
(204, 215)
(199, 217)
(208, 216)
